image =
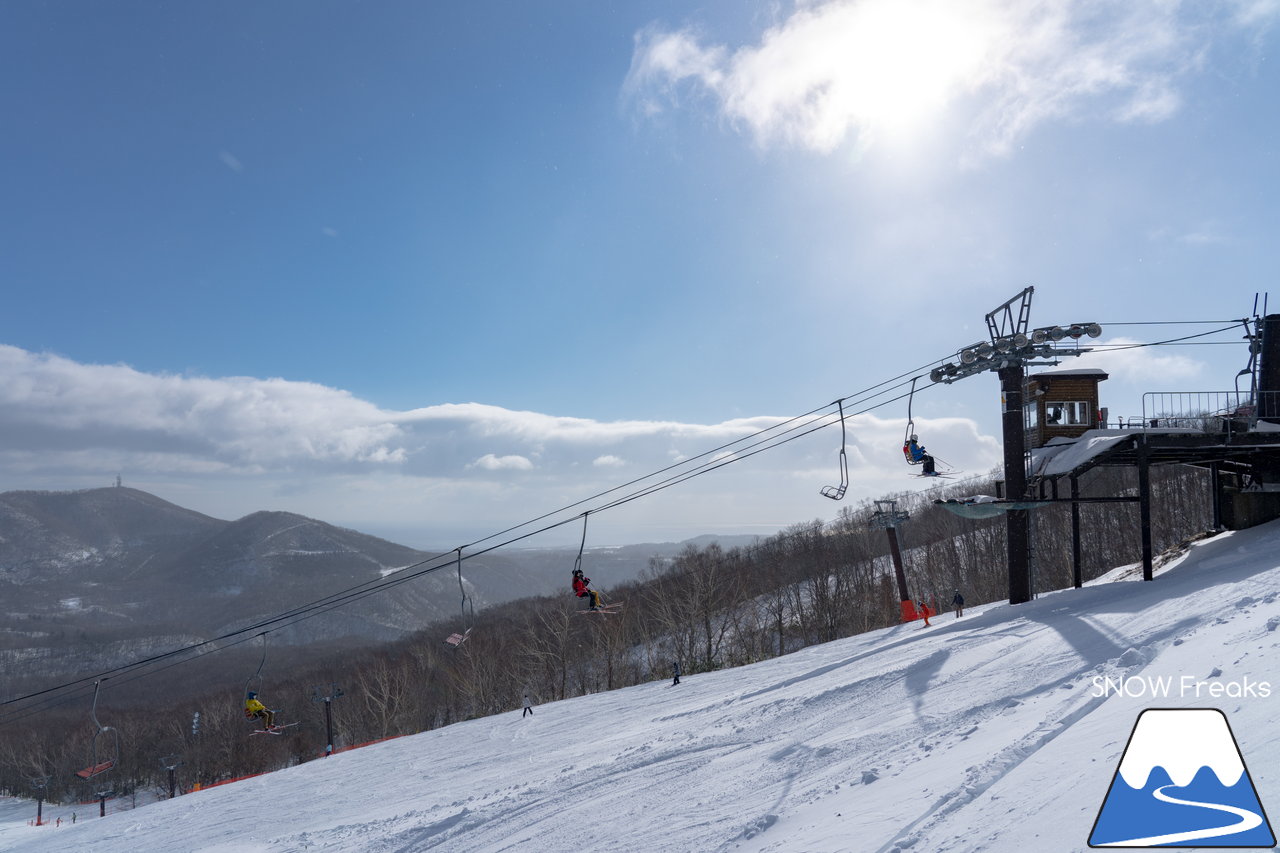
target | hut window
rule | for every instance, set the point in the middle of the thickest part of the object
(1074, 413)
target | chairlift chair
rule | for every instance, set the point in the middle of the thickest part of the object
(837, 492)
(577, 562)
(253, 686)
(254, 683)
(104, 752)
(911, 427)
(456, 639)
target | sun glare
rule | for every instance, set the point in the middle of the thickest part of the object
(907, 61)
(881, 70)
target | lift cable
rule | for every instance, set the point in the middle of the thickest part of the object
(1174, 323)
(1171, 341)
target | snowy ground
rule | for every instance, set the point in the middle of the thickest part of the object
(980, 733)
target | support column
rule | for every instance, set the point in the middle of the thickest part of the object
(1015, 478)
(1215, 494)
(1144, 508)
(1077, 575)
(896, 553)
(1269, 370)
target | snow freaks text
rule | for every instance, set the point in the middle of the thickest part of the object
(1183, 687)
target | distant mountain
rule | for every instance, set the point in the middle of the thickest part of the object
(97, 578)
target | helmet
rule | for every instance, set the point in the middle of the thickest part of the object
(252, 695)
(913, 436)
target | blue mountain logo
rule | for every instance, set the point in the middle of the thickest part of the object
(1182, 783)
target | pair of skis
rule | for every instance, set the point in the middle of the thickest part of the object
(274, 730)
(611, 607)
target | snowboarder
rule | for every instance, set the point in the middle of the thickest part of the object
(915, 453)
(958, 603)
(253, 708)
(675, 671)
(528, 706)
(582, 590)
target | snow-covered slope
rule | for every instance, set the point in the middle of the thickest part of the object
(990, 732)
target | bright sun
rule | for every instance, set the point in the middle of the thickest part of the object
(884, 69)
(906, 61)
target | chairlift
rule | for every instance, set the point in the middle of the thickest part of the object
(254, 682)
(837, 492)
(910, 434)
(455, 639)
(104, 752)
(592, 595)
(252, 687)
(912, 450)
(577, 562)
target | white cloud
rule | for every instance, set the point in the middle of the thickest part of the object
(81, 415)
(853, 71)
(490, 462)
(1256, 14)
(1208, 234)
(55, 403)
(1125, 360)
(230, 446)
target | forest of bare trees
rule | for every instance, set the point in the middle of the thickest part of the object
(707, 608)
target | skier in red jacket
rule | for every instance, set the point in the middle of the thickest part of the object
(581, 589)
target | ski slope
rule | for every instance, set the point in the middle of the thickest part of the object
(980, 733)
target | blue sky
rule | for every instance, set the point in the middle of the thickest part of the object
(429, 270)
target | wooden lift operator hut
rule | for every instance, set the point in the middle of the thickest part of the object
(1062, 404)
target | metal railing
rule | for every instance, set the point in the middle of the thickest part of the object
(1213, 412)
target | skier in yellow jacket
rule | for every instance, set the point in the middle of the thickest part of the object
(254, 708)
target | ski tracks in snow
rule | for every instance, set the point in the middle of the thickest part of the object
(1063, 710)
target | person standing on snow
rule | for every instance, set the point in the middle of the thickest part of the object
(675, 671)
(528, 706)
(958, 603)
